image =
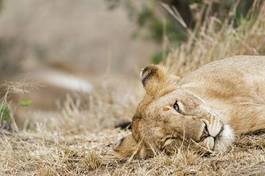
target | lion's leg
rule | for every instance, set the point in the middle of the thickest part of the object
(248, 118)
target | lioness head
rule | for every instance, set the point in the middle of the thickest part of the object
(166, 112)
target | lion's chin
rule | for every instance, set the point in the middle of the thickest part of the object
(224, 140)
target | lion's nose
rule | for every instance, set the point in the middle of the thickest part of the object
(205, 133)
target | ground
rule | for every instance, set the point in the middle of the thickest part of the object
(86, 153)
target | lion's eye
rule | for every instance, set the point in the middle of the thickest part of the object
(176, 106)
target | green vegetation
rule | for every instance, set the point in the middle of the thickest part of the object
(25, 102)
(5, 115)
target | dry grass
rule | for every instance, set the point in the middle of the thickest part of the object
(79, 140)
(207, 44)
(85, 153)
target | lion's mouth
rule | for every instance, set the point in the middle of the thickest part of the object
(206, 133)
(212, 136)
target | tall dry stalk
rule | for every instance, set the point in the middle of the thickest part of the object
(209, 43)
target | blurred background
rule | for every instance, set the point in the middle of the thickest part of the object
(51, 50)
(96, 37)
(80, 35)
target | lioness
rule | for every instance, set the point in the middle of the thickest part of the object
(210, 105)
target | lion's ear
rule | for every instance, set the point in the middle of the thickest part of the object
(127, 147)
(152, 77)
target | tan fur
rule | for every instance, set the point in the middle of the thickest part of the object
(217, 102)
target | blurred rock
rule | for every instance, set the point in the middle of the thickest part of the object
(82, 33)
